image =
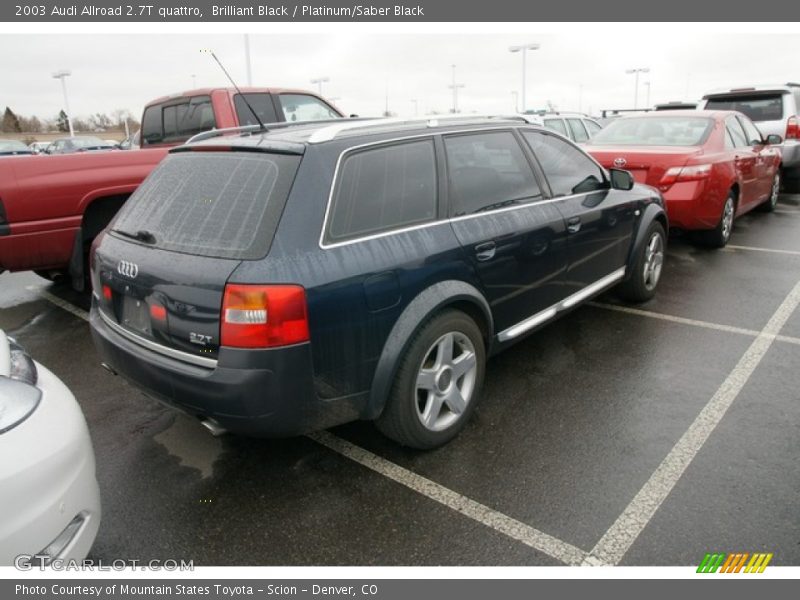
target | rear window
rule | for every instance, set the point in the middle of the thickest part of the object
(655, 131)
(223, 205)
(178, 120)
(261, 103)
(762, 107)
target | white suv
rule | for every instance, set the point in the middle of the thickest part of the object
(775, 110)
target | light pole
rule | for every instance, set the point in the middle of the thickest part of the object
(416, 106)
(194, 81)
(247, 60)
(318, 81)
(515, 96)
(524, 49)
(454, 86)
(647, 97)
(636, 83)
(62, 75)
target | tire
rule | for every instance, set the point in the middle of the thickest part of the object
(772, 200)
(721, 234)
(643, 282)
(445, 356)
(791, 185)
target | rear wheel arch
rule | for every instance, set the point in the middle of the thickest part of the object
(441, 296)
(97, 214)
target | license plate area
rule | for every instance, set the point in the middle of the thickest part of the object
(136, 315)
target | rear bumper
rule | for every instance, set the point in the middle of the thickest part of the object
(261, 393)
(693, 205)
(790, 157)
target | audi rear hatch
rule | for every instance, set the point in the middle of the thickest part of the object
(159, 272)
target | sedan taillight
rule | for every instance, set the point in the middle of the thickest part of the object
(688, 173)
(263, 316)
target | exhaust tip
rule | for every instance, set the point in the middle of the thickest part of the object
(108, 368)
(213, 427)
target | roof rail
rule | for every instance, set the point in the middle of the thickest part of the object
(212, 133)
(332, 131)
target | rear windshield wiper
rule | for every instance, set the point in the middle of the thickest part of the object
(139, 236)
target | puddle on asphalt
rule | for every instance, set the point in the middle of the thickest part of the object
(191, 444)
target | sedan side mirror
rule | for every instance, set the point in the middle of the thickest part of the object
(774, 140)
(621, 180)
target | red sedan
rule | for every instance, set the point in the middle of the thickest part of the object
(711, 166)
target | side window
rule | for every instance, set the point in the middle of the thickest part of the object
(729, 145)
(261, 103)
(591, 127)
(300, 107)
(382, 189)
(578, 130)
(568, 169)
(556, 125)
(178, 121)
(751, 131)
(487, 171)
(152, 128)
(736, 132)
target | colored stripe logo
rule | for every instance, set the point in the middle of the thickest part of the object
(737, 562)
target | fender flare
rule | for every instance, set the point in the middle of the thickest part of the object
(419, 310)
(651, 213)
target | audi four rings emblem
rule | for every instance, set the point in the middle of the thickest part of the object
(128, 269)
(620, 162)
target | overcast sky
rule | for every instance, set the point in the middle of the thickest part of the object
(572, 71)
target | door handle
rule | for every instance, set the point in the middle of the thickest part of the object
(574, 224)
(485, 251)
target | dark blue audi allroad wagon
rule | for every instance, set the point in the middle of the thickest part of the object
(280, 281)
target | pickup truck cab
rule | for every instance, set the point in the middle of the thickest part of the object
(52, 207)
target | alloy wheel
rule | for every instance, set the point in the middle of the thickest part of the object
(653, 261)
(445, 381)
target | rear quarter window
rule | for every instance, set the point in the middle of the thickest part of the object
(384, 188)
(217, 204)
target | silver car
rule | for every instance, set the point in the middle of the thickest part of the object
(575, 126)
(775, 110)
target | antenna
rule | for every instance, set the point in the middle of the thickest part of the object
(261, 125)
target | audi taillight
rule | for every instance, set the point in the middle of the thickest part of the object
(792, 129)
(263, 316)
(688, 173)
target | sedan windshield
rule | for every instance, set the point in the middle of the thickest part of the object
(89, 142)
(655, 131)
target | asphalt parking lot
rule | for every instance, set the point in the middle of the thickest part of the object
(644, 435)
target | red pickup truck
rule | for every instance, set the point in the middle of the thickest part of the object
(52, 207)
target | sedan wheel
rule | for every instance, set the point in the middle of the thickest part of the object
(719, 236)
(772, 200)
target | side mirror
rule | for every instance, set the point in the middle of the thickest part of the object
(621, 180)
(774, 140)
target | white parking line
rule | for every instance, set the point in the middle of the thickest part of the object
(517, 530)
(623, 533)
(693, 322)
(754, 249)
(78, 312)
(484, 515)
